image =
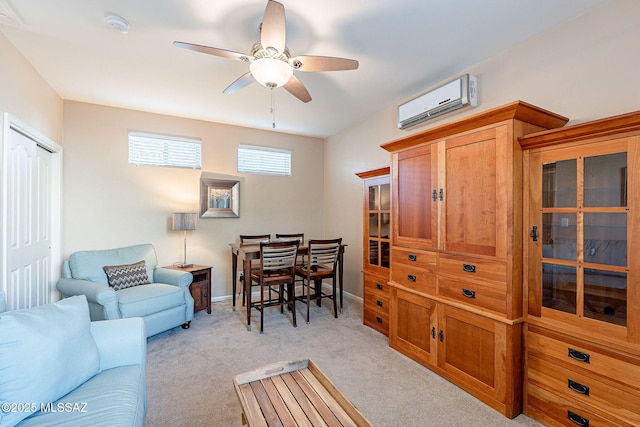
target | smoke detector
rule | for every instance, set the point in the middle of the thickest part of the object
(116, 23)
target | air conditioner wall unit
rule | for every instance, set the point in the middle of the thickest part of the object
(456, 94)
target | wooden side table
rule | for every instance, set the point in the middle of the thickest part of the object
(200, 287)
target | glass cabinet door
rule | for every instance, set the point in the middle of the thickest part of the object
(378, 228)
(583, 232)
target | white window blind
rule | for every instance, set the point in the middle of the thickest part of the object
(264, 160)
(150, 149)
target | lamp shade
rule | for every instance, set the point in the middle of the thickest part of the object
(184, 221)
(271, 72)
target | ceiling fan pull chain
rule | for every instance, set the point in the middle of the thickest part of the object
(273, 110)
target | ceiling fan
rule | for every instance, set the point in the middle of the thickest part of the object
(270, 62)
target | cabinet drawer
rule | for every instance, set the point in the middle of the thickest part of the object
(584, 357)
(414, 278)
(376, 302)
(554, 410)
(375, 285)
(619, 401)
(414, 258)
(474, 268)
(377, 321)
(486, 296)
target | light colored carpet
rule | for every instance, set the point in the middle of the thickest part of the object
(189, 372)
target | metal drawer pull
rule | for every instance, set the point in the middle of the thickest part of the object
(441, 336)
(379, 286)
(379, 303)
(468, 293)
(579, 356)
(581, 421)
(434, 195)
(378, 319)
(433, 332)
(411, 277)
(469, 268)
(577, 387)
(412, 257)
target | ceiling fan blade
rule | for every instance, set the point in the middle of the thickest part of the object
(274, 28)
(297, 89)
(229, 54)
(242, 82)
(322, 63)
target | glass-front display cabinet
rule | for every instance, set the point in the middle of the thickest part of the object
(581, 219)
(378, 223)
(581, 215)
(376, 247)
(584, 237)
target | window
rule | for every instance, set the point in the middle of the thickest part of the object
(149, 149)
(264, 160)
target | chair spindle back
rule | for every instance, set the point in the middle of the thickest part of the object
(278, 255)
(324, 252)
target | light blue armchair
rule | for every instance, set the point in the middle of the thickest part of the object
(164, 303)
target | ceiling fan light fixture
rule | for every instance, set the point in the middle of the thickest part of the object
(271, 72)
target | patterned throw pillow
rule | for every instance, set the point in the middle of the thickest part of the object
(126, 276)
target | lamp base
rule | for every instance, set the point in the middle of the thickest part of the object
(183, 265)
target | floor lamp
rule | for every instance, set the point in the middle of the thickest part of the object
(184, 221)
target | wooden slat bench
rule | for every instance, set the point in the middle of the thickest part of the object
(293, 394)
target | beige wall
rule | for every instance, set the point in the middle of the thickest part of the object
(25, 95)
(584, 70)
(109, 203)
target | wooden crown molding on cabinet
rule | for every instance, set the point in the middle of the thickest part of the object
(374, 172)
(616, 125)
(517, 110)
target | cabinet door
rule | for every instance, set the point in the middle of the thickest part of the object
(416, 195)
(198, 293)
(412, 328)
(479, 192)
(199, 289)
(583, 207)
(377, 220)
(483, 355)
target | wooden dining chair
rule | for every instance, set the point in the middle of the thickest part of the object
(277, 268)
(322, 261)
(291, 236)
(250, 239)
(299, 236)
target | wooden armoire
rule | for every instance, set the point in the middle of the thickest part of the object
(456, 300)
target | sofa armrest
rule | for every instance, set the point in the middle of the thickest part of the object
(172, 277)
(120, 342)
(96, 293)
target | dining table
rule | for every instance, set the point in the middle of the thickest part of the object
(252, 251)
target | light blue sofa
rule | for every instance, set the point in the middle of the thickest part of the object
(164, 303)
(58, 368)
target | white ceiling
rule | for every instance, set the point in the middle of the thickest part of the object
(403, 46)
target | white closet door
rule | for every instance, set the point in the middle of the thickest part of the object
(28, 215)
